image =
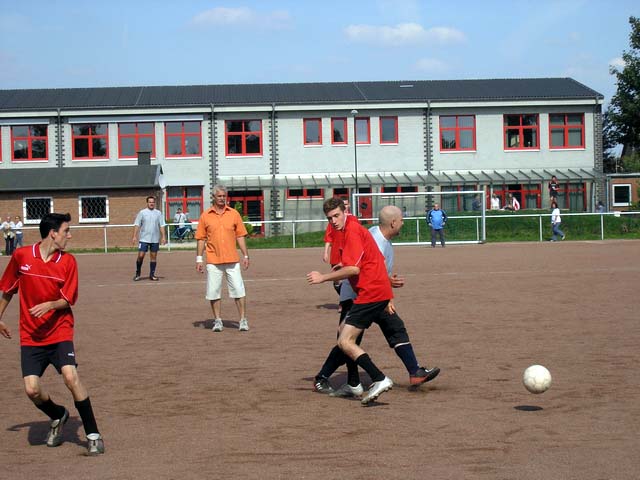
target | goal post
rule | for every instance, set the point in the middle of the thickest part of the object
(465, 209)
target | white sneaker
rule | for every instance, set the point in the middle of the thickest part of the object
(95, 444)
(217, 325)
(347, 391)
(377, 389)
(244, 325)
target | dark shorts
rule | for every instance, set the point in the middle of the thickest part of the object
(35, 360)
(362, 315)
(145, 247)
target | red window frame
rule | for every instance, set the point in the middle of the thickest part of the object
(355, 133)
(243, 141)
(136, 138)
(521, 128)
(305, 193)
(307, 121)
(29, 139)
(457, 129)
(184, 136)
(565, 128)
(395, 127)
(91, 137)
(345, 131)
(183, 201)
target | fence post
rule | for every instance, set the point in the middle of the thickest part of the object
(601, 227)
(168, 238)
(106, 248)
(293, 230)
(540, 225)
(418, 230)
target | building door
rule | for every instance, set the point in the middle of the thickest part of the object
(251, 206)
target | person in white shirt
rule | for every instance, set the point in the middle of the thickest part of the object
(9, 235)
(180, 218)
(18, 231)
(148, 233)
(556, 221)
(495, 202)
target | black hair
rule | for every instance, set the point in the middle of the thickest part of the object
(52, 221)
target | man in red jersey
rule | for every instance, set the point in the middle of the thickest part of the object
(47, 279)
(363, 264)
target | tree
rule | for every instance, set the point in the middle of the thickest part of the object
(624, 111)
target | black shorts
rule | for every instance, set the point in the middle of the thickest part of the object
(392, 326)
(35, 360)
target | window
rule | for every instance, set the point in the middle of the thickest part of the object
(29, 142)
(621, 195)
(134, 138)
(183, 139)
(341, 193)
(398, 189)
(297, 193)
(36, 208)
(189, 199)
(363, 132)
(312, 131)
(388, 129)
(250, 204)
(93, 209)
(457, 133)
(566, 130)
(90, 141)
(521, 132)
(243, 137)
(339, 131)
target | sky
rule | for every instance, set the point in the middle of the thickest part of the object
(67, 44)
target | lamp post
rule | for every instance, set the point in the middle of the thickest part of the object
(355, 151)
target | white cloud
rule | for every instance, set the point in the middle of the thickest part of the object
(617, 62)
(403, 34)
(431, 66)
(242, 17)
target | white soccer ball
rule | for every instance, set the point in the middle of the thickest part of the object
(536, 379)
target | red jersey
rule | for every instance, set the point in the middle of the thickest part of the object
(39, 282)
(360, 250)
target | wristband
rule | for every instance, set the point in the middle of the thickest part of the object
(247, 257)
(199, 259)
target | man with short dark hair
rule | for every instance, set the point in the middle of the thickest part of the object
(363, 264)
(148, 233)
(46, 277)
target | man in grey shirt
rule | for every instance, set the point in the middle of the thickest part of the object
(149, 234)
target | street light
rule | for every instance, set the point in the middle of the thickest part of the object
(355, 149)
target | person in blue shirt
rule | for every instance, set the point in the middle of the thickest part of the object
(437, 219)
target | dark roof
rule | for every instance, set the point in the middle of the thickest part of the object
(80, 178)
(296, 93)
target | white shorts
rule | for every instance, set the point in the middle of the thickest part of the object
(214, 280)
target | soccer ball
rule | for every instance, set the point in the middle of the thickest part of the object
(536, 379)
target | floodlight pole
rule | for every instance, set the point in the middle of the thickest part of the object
(354, 112)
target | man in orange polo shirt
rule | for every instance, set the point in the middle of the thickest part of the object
(219, 228)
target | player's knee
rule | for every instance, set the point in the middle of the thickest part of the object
(71, 379)
(33, 392)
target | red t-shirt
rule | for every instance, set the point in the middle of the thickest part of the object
(360, 250)
(39, 282)
(336, 239)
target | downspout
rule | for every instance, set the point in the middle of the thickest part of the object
(59, 139)
(213, 174)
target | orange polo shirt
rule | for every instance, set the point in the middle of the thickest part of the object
(220, 232)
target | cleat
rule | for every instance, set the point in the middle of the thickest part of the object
(95, 445)
(217, 325)
(563, 237)
(54, 438)
(424, 375)
(377, 389)
(244, 325)
(136, 278)
(153, 278)
(322, 385)
(347, 391)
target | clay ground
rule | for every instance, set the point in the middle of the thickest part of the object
(176, 401)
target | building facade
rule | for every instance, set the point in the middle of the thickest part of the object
(281, 149)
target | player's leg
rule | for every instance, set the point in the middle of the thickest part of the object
(235, 285)
(441, 232)
(34, 361)
(433, 237)
(336, 357)
(395, 332)
(214, 294)
(142, 250)
(153, 260)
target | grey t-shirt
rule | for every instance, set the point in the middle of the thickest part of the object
(150, 223)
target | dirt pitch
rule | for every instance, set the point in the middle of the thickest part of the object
(176, 401)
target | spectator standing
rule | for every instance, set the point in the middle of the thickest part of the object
(512, 203)
(219, 228)
(495, 202)
(556, 221)
(476, 205)
(554, 186)
(180, 218)
(437, 219)
(148, 232)
(18, 230)
(8, 234)
(600, 207)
